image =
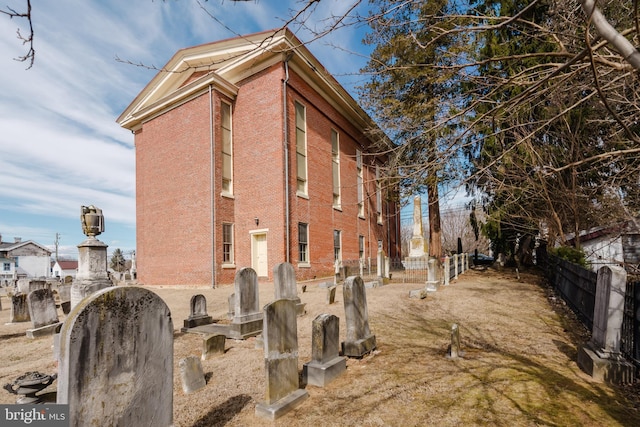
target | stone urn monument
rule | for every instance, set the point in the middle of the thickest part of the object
(92, 257)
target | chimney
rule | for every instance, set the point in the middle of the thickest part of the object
(17, 239)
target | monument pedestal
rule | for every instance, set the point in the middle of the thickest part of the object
(321, 374)
(282, 406)
(44, 331)
(610, 369)
(92, 270)
(359, 348)
(194, 321)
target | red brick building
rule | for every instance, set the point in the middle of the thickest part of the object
(248, 154)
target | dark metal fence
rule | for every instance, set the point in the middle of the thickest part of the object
(576, 285)
(630, 335)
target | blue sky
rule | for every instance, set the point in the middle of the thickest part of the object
(60, 147)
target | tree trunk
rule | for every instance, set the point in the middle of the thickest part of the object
(435, 232)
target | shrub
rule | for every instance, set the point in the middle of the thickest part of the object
(570, 254)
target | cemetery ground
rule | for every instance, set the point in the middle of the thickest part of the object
(518, 367)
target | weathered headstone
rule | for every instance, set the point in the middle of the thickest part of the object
(191, 374)
(116, 360)
(247, 317)
(284, 281)
(455, 350)
(359, 340)
(212, 345)
(232, 305)
(280, 334)
(326, 363)
(601, 357)
(19, 309)
(43, 313)
(331, 295)
(198, 315)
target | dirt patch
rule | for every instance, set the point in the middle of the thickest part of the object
(518, 369)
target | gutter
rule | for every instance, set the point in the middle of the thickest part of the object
(285, 129)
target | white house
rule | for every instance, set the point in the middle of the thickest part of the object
(618, 244)
(24, 259)
(64, 268)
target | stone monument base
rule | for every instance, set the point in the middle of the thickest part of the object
(192, 322)
(416, 263)
(282, 406)
(432, 285)
(360, 347)
(321, 374)
(44, 331)
(609, 370)
(234, 330)
(85, 287)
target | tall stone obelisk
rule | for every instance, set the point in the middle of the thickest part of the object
(92, 257)
(418, 244)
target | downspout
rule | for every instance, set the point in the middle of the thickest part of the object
(285, 128)
(213, 192)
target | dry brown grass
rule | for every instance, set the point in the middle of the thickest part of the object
(518, 369)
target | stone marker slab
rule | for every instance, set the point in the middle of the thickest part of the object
(19, 309)
(326, 363)
(280, 334)
(191, 374)
(284, 283)
(331, 295)
(116, 360)
(43, 313)
(213, 345)
(359, 340)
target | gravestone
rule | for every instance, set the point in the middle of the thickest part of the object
(331, 295)
(231, 300)
(284, 281)
(116, 360)
(191, 374)
(326, 363)
(247, 317)
(43, 313)
(198, 315)
(601, 357)
(19, 309)
(64, 293)
(280, 334)
(359, 340)
(212, 345)
(455, 350)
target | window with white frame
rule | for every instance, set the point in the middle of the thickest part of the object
(227, 148)
(301, 148)
(335, 159)
(303, 242)
(360, 184)
(227, 243)
(6, 266)
(378, 195)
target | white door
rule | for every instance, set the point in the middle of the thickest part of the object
(259, 260)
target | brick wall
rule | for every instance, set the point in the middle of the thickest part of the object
(174, 191)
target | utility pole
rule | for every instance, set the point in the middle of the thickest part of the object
(56, 242)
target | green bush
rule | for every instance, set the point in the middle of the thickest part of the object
(570, 254)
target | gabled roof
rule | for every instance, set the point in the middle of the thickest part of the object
(224, 64)
(7, 247)
(68, 265)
